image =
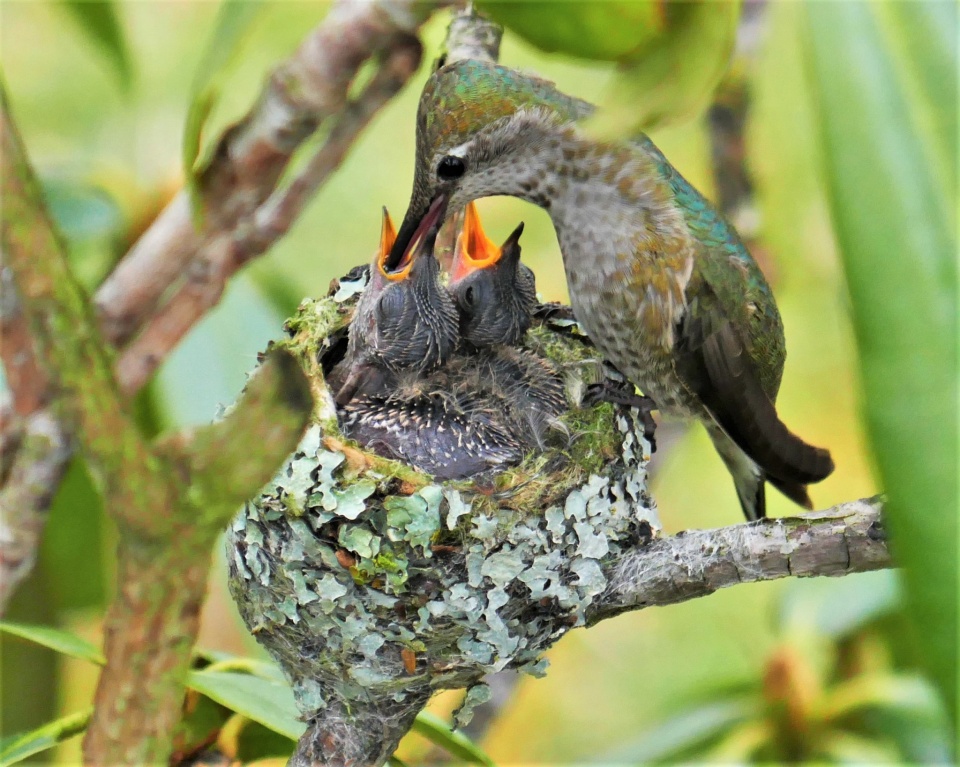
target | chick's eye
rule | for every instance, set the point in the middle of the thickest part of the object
(468, 296)
(450, 168)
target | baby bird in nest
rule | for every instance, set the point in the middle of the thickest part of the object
(451, 405)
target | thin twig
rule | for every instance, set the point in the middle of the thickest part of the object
(223, 255)
(251, 157)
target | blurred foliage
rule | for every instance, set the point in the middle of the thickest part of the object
(234, 21)
(888, 120)
(671, 55)
(100, 21)
(828, 692)
(241, 704)
(618, 30)
(834, 677)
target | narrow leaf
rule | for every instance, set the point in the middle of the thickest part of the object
(679, 735)
(99, 21)
(16, 748)
(59, 641)
(434, 729)
(265, 701)
(234, 21)
(897, 237)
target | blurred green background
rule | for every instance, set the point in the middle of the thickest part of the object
(756, 662)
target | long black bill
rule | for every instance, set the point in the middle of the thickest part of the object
(412, 231)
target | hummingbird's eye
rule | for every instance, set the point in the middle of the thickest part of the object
(451, 168)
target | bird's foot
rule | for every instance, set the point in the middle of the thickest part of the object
(625, 395)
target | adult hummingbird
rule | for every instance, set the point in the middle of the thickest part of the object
(658, 279)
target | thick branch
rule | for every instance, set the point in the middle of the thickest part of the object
(68, 344)
(227, 466)
(169, 508)
(25, 377)
(153, 622)
(846, 539)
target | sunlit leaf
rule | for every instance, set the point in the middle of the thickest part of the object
(265, 701)
(890, 691)
(897, 236)
(16, 748)
(678, 735)
(434, 729)
(847, 748)
(259, 668)
(234, 20)
(741, 744)
(101, 23)
(59, 641)
(612, 30)
(675, 75)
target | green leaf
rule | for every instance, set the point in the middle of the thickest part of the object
(263, 700)
(434, 729)
(258, 668)
(18, 747)
(674, 77)
(99, 21)
(59, 641)
(234, 20)
(837, 607)
(613, 30)
(255, 741)
(680, 735)
(897, 236)
(72, 550)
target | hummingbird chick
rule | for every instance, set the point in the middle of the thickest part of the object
(657, 278)
(404, 322)
(403, 391)
(494, 292)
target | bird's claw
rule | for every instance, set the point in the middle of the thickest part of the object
(625, 395)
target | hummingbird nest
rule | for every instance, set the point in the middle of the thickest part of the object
(374, 585)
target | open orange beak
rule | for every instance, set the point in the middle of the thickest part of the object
(388, 235)
(474, 249)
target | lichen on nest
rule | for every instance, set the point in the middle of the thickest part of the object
(373, 585)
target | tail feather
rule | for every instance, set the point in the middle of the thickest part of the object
(793, 490)
(747, 415)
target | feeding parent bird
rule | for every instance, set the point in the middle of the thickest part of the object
(658, 279)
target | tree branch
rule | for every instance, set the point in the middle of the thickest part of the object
(169, 503)
(251, 157)
(223, 254)
(845, 539)
(69, 346)
(153, 622)
(39, 464)
(245, 215)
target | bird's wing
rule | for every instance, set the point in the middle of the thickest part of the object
(713, 362)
